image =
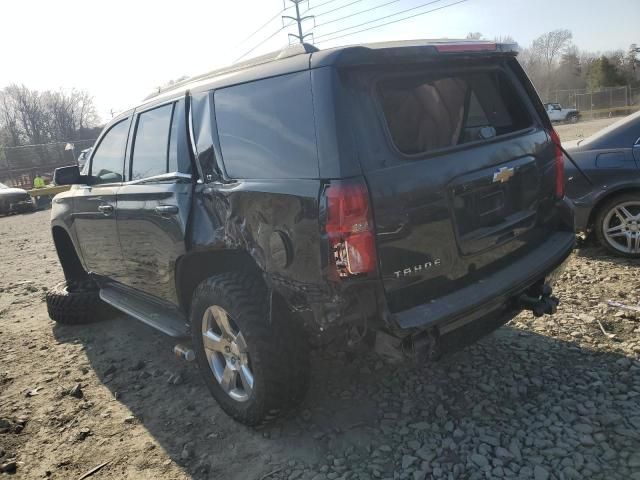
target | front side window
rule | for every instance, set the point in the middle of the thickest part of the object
(151, 144)
(432, 112)
(107, 163)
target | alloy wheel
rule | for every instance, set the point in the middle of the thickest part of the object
(227, 353)
(621, 227)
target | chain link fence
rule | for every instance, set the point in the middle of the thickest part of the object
(19, 165)
(604, 102)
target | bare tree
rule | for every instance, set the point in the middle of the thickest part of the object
(69, 113)
(547, 49)
(474, 36)
(28, 116)
(31, 112)
(9, 120)
(549, 46)
(504, 39)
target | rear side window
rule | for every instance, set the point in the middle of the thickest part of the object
(179, 160)
(107, 162)
(151, 143)
(433, 112)
(266, 128)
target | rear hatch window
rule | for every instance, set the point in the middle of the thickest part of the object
(432, 112)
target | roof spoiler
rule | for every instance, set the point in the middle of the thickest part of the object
(403, 52)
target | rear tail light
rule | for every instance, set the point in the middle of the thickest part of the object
(349, 228)
(559, 163)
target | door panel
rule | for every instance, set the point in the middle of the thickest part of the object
(152, 218)
(153, 208)
(96, 230)
(95, 205)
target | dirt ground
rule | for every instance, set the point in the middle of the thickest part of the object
(582, 129)
(540, 398)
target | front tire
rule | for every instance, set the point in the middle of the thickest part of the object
(255, 367)
(617, 225)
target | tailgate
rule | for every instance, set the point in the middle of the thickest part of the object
(460, 172)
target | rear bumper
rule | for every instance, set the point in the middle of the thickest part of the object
(493, 298)
(23, 206)
(16, 206)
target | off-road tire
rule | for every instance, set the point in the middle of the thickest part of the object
(599, 220)
(277, 347)
(76, 305)
(572, 118)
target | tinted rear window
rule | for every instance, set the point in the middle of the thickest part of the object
(437, 111)
(267, 128)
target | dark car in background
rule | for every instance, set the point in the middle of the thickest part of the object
(15, 200)
(603, 180)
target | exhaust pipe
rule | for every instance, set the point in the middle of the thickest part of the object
(540, 301)
(184, 352)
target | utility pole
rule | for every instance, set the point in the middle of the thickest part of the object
(298, 19)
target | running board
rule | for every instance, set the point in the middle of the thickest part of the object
(166, 319)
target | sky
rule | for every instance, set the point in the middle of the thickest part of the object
(120, 51)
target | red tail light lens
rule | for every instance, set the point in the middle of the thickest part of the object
(559, 155)
(349, 227)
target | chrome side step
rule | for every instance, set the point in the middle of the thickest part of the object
(166, 319)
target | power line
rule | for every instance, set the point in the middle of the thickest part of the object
(265, 24)
(263, 41)
(337, 8)
(320, 5)
(389, 23)
(356, 13)
(297, 19)
(381, 18)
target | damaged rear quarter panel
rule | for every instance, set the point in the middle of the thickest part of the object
(274, 221)
(277, 222)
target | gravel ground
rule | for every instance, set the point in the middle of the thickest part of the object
(542, 399)
(582, 129)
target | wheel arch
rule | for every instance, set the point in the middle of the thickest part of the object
(68, 255)
(195, 267)
(621, 190)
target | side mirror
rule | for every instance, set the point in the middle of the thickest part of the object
(68, 176)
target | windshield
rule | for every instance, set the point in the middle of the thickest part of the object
(2, 185)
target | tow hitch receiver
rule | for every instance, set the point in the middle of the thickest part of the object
(539, 301)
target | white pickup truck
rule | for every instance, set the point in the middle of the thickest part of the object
(559, 114)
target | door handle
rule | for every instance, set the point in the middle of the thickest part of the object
(106, 209)
(166, 209)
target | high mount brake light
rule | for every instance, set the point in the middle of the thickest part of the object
(349, 228)
(559, 163)
(466, 47)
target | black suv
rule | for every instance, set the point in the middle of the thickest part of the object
(409, 193)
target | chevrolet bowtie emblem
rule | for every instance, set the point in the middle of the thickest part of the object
(503, 174)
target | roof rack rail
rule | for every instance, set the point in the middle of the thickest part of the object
(289, 51)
